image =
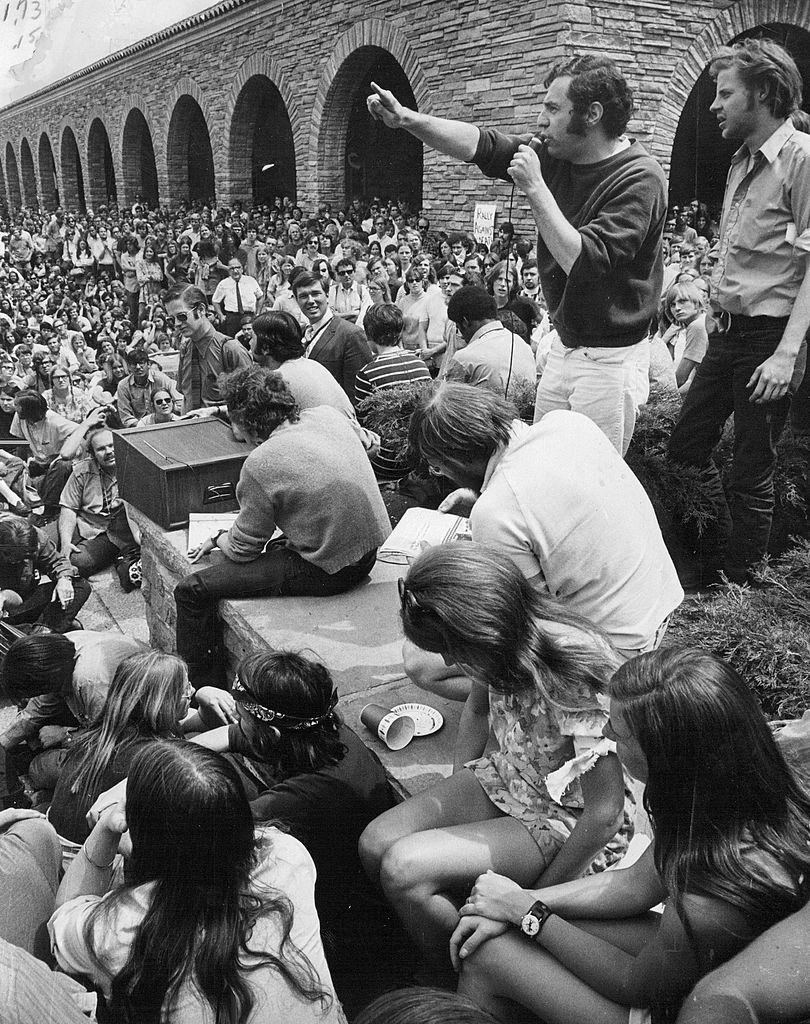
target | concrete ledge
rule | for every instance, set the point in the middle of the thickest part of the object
(356, 635)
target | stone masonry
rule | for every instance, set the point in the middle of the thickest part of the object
(479, 62)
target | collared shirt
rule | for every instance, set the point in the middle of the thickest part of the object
(92, 493)
(495, 357)
(765, 227)
(135, 400)
(46, 437)
(249, 291)
(217, 354)
(314, 331)
(348, 300)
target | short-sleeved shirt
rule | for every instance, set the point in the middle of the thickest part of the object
(92, 495)
(249, 292)
(691, 341)
(45, 438)
(98, 655)
(563, 505)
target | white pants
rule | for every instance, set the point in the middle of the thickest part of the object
(605, 384)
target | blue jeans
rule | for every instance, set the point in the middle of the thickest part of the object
(719, 389)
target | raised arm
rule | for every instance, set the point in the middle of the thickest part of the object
(454, 138)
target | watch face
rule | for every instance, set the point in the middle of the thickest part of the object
(530, 925)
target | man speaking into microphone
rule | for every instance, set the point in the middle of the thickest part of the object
(599, 202)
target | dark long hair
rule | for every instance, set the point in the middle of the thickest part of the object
(717, 784)
(476, 606)
(192, 837)
(290, 684)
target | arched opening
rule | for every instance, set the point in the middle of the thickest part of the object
(103, 191)
(48, 182)
(72, 174)
(139, 167)
(29, 177)
(13, 179)
(262, 151)
(190, 159)
(3, 194)
(700, 155)
(359, 152)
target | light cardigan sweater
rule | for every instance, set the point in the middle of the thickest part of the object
(313, 481)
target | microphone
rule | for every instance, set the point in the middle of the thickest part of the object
(537, 143)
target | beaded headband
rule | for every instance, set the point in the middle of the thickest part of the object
(280, 719)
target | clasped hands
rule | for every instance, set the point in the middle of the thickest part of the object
(495, 904)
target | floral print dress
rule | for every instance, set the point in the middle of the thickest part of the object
(535, 739)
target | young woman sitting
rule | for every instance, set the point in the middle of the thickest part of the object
(148, 699)
(304, 769)
(539, 674)
(730, 857)
(215, 924)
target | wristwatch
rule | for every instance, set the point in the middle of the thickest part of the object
(535, 917)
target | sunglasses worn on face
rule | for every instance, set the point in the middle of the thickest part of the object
(163, 401)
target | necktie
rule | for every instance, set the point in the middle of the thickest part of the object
(196, 379)
(240, 309)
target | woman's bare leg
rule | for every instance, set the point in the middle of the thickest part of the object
(427, 853)
(518, 981)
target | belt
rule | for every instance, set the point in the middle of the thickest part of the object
(738, 322)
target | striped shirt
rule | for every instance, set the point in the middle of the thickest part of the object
(389, 370)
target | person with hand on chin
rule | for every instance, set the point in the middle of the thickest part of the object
(599, 203)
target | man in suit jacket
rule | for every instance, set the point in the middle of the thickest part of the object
(339, 346)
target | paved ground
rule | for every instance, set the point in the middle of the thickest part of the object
(108, 608)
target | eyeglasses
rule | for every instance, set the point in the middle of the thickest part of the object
(163, 401)
(60, 376)
(346, 270)
(407, 599)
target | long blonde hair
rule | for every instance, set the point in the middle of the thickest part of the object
(145, 700)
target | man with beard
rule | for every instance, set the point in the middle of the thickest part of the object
(599, 202)
(93, 525)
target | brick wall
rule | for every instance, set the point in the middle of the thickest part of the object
(479, 62)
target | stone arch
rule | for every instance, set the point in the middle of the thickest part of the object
(350, 150)
(189, 154)
(48, 179)
(741, 18)
(261, 134)
(138, 160)
(3, 194)
(101, 182)
(73, 196)
(13, 179)
(28, 174)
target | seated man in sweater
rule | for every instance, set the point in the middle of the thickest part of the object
(307, 477)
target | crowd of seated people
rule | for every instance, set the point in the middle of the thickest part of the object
(203, 847)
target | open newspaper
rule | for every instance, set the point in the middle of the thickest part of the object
(422, 527)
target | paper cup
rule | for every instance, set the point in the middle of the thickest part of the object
(395, 730)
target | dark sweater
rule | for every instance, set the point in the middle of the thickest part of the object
(618, 205)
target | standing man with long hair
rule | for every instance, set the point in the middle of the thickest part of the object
(760, 305)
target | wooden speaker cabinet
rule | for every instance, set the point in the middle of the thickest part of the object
(171, 469)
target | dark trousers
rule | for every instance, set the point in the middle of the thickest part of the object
(233, 323)
(39, 607)
(740, 538)
(279, 572)
(50, 482)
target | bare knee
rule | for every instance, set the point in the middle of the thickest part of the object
(402, 869)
